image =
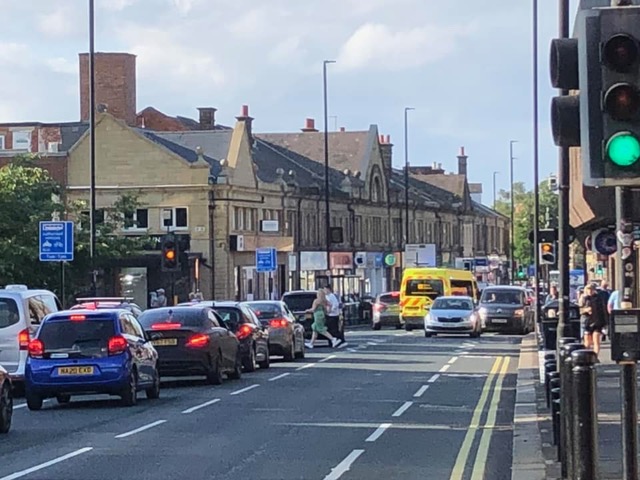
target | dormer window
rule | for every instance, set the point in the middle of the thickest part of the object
(376, 189)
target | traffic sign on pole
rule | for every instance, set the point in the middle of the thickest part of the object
(56, 242)
(266, 260)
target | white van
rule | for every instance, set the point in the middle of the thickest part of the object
(21, 311)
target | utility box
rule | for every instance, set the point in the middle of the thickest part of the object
(624, 329)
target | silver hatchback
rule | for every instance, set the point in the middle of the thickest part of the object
(453, 315)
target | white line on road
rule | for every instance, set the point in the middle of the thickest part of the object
(141, 429)
(405, 406)
(326, 359)
(421, 391)
(469, 345)
(466, 375)
(245, 389)
(453, 360)
(444, 368)
(352, 350)
(372, 343)
(378, 433)
(433, 378)
(479, 356)
(202, 405)
(282, 375)
(343, 467)
(23, 473)
(464, 353)
(307, 365)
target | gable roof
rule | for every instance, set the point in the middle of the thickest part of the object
(214, 143)
(182, 151)
(451, 182)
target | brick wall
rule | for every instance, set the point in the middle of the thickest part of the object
(152, 119)
(55, 165)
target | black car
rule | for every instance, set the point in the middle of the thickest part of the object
(192, 341)
(286, 336)
(506, 309)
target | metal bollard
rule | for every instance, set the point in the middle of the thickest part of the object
(566, 405)
(555, 408)
(549, 367)
(585, 418)
(550, 377)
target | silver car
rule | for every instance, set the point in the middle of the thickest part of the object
(453, 315)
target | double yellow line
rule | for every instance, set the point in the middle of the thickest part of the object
(499, 370)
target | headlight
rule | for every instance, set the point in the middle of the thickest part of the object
(518, 313)
(431, 318)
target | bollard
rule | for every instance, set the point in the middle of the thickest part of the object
(550, 376)
(549, 367)
(585, 420)
(555, 407)
(566, 405)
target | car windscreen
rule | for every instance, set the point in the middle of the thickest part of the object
(9, 314)
(266, 311)
(85, 337)
(423, 287)
(390, 298)
(299, 302)
(452, 304)
(187, 317)
(505, 297)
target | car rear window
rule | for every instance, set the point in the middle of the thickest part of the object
(266, 311)
(505, 297)
(187, 317)
(452, 304)
(422, 287)
(88, 337)
(9, 314)
(390, 298)
(229, 314)
(299, 302)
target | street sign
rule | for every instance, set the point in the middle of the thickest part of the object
(420, 255)
(266, 260)
(56, 241)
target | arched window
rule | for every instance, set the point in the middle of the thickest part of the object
(376, 189)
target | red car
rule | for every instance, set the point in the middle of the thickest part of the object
(6, 401)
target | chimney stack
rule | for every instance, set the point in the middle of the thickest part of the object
(342, 129)
(386, 148)
(462, 163)
(207, 118)
(309, 125)
(244, 117)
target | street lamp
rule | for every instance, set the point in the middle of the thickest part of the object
(513, 230)
(406, 174)
(327, 220)
(92, 147)
(494, 189)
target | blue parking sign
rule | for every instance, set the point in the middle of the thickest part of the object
(56, 241)
(266, 260)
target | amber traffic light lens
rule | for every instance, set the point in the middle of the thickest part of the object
(622, 102)
(620, 52)
(170, 255)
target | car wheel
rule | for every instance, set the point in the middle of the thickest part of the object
(399, 326)
(266, 363)
(249, 363)
(428, 334)
(301, 353)
(6, 408)
(377, 326)
(407, 327)
(236, 374)
(291, 353)
(214, 377)
(63, 398)
(34, 402)
(130, 392)
(153, 392)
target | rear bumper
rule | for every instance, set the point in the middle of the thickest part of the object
(413, 321)
(504, 324)
(387, 320)
(280, 340)
(182, 362)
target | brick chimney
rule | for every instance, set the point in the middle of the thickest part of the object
(462, 163)
(386, 147)
(309, 125)
(207, 118)
(244, 117)
(115, 84)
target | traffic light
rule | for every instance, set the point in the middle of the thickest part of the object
(610, 95)
(170, 255)
(565, 109)
(547, 251)
(522, 274)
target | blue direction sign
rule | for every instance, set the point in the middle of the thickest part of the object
(266, 260)
(56, 241)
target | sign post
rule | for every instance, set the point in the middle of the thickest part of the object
(56, 242)
(267, 262)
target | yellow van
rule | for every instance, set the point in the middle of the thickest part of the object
(421, 286)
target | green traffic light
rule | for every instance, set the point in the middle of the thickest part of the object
(623, 149)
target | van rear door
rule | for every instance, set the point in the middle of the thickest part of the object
(10, 334)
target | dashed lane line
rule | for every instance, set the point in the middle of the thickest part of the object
(378, 433)
(141, 429)
(421, 391)
(307, 365)
(452, 361)
(326, 359)
(433, 378)
(405, 406)
(246, 389)
(24, 473)
(202, 405)
(444, 368)
(282, 375)
(343, 467)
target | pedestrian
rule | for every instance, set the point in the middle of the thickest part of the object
(318, 327)
(592, 318)
(553, 294)
(333, 313)
(153, 302)
(614, 302)
(162, 299)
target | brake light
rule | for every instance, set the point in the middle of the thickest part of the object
(278, 323)
(166, 326)
(77, 318)
(23, 339)
(244, 331)
(36, 348)
(395, 294)
(117, 345)
(198, 340)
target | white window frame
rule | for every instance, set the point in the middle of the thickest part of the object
(173, 226)
(135, 228)
(2, 142)
(24, 132)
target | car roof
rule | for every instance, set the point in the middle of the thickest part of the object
(262, 301)
(504, 287)
(300, 292)
(455, 297)
(182, 308)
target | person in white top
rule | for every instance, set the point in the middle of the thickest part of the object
(333, 314)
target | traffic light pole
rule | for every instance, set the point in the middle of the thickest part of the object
(536, 169)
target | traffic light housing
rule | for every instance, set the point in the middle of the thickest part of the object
(170, 261)
(565, 109)
(522, 274)
(609, 65)
(547, 252)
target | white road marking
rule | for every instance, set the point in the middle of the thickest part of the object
(23, 473)
(469, 345)
(464, 353)
(421, 391)
(378, 433)
(466, 375)
(453, 360)
(141, 429)
(405, 406)
(246, 389)
(24, 405)
(444, 368)
(282, 375)
(433, 378)
(479, 356)
(343, 467)
(202, 405)
(307, 365)
(326, 359)
(372, 343)
(352, 350)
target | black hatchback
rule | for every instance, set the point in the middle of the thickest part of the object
(192, 341)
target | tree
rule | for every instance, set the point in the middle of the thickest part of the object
(523, 216)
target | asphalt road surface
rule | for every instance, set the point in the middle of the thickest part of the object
(389, 405)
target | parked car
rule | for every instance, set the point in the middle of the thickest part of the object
(90, 352)
(6, 400)
(299, 301)
(21, 311)
(386, 311)
(286, 336)
(192, 341)
(97, 303)
(506, 309)
(453, 315)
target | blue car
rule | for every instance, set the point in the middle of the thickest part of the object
(90, 352)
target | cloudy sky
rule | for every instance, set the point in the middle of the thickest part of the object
(464, 65)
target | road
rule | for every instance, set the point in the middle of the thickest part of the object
(390, 405)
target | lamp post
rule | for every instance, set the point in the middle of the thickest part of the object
(513, 230)
(406, 174)
(536, 165)
(494, 189)
(92, 147)
(327, 219)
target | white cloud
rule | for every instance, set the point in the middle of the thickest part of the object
(14, 54)
(62, 65)
(185, 6)
(286, 51)
(116, 5)
(53, 24)
(376, 46)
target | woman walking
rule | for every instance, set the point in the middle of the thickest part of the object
(592, 312)
(319, 309)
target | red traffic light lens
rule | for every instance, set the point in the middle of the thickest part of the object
(622, 102)
(620, 52)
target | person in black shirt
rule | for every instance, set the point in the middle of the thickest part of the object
(593, 316)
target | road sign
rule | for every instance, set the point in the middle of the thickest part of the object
(56, 241)
(266, 260)
(420, 255)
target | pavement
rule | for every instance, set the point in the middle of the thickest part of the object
(389, 405)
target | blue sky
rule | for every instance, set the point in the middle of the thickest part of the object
(466, 67)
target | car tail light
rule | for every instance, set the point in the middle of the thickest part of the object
(117, 345)
(379, 307)
(244, 331)
(198, 340)
(278, 323)
(77, 318)
(36, 348)
(166, 326)
(23, 339)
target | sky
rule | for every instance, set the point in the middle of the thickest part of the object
(466, 67)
